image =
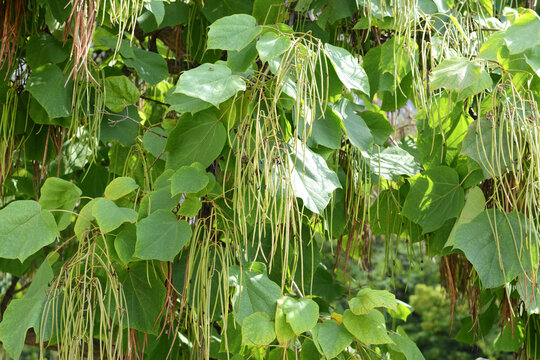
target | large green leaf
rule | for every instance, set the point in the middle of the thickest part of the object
(241, 61)
(310, 178)
(120, 127)
(160, 236)
(331, 338)
(498, 245)
(84, 219)
(119, 93)
(404, 346)
(51, 88)
(524, 33)
(188, 179)
(441, 131)
(255, 293)
(212, 83)
(369, 328)
(386, 66)
(258, 329)
(474, 205)
(182, 103)
(435, 196)
(109, 216)
(392, 162)
(23, 314)
(125, 241)
(463, 75)
(59, 194)
(358, 132)
(325, 130)
(233, 32)
(489, 146)
(145, 296)
(283, 329)
(120, 187)
(150, 66)
(347, 68)
(368, 299)
(271, 45)
(196, 138)
(42, 48)
(301, 314)
(24, 229)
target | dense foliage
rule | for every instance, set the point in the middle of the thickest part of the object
(206, 179)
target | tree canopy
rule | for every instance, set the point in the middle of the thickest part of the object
(207, 179)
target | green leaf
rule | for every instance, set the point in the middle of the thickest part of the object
(84, 219)
(190, 207)
(404, 345)
(155, 144)
(331, 338)
(441, 132)
(258, 330)
(182, 103)
(283, 329)
(212, 83)
(268, 11)
(463, 75)
(325, 130)
(233, 32)
(124, 244)
(378, 125)
(160, 197)
(301, 314)
(196, 138)
(150, 66)
(386, 67)
(157, 8)
(256, 293)
(120, 187)
(188, 179)
(26, 313)
(59, 194)
(119, 93)
(347, 68)
(474, 205)
(524, 33)
(271, 45)
(241, 61)
(501, 247)
(42, 48)
(512, 336)
(369, 328)
(368, 299)
(310, 178)
(489, 146)
(392, 162)
(402, 312)
(24, 229)
(122, 127)
(532, 57)
(51, 88)
(435, 196)
(145, 296)
(529, 293)
(109, 216)
(160, 236)
(357, 130)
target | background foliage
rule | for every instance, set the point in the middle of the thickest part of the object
(242, 179)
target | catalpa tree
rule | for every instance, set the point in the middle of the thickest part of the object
(199, 179)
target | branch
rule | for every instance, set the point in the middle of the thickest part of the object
(9, 294)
